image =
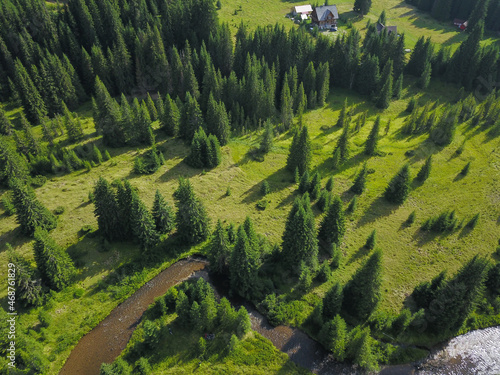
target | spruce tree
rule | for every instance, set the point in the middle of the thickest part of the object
(342, 147)
(5, 124)
(343, 116)
(243, 265)
(315, 186)
(398, 87)
(217, 120)
(191, 218)
(171, 117)
(163, 214)
(107, 210)
(425, 171)
(332, 227)
(54, 264)
(323, 83)
(300, 152)
(359, 183)
(12, 164)
(28, 282)
(362, 6)
(30, 213)
(360, 349)
(191, 118)
(385, 95)
(220, 251)
(286, 107)
(266, 142)
(362, 292)
(299, 238)
(372, 140)
(399, 187)
(304, 183)
(334, 337)
(441, 9)
(329, 184)
(425, 78)
(153, 112)
(332, 302)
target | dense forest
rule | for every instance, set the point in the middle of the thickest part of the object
(202, 85)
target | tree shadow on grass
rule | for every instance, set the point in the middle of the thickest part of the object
(178, 170)
(459, 177)
(378, 209)
(360, 253)
(422, 237)
(466, 230)
(14, 237)
(279, 180)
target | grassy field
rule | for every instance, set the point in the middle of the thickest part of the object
(410, 255)
(409, 20)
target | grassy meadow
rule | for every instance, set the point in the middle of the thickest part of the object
(409, 20)
(410, 255)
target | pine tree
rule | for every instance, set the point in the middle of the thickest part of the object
(217, 120)
(30, 96)
(478, 14)
(344, 117)
(191, 118)
(329, 184)
(299, 238)
(300, 152)
(107, 117)
(362, 292)
(54, 264)
(342, 147)
(163, 214)
(334, 337)
(242, 266)
(332, 227)
(398, 87)
(425, 171)
(359, 183)
(300, 101)
(372, 141)
(332, 302)
(425, 78)
(441, 9)
(96, 155)
(360, 349)
(304, 183)
(362, 6)
(368, 77)
(73, 126)
(399, 187)
(286, 107)
(30, 213)
(107, 210)
(191, 218)
(323, 83)
(171, 117)
(5, 124)
(220, 252)
(315, 186)
(243, 322)
(266, 142)
(384, 98)
(28, 283)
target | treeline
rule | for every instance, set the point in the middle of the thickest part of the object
(467, 10)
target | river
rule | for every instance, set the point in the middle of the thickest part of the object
(478, 352)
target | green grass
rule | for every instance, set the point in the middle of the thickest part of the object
(407, 18)
(176, 354)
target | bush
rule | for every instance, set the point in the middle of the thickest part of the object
(228, 191)
(87, 228)
(44, 318)
(262, 204)
(78, 293)
(143, 367)
(59, 210)
(38, 181)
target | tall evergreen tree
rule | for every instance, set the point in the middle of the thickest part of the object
(171, 117)
(243, 266)
(399, 187)
(362, 6)
(220, 251)
(334, 337)
(107, 210)
(12, 164)
(191, 218)
(362, 292)
(385, 95)
(266, 142)
(286, 107)
(441, 9)
(299, 238)
(332, 227)
(359, 183)
(300, 152)
(5, 124)
(332, 302)
(217, 120)
(372, 141)
(28, 282)
(191, 118)
(343, 144)
(143, 224)
(54, 264)
(30, 213)
(163, 214)
(425, 171)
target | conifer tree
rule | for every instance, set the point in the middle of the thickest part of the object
(342, 146)
(299, 238)
(323, 83)
(359, 183)
(332, 302)
(362, 292)
(28, 282)
(217, 120)
(300, 101)
(30, 96)
(315, 186)
(96, 155)
(373, 137)
(5, 124)
(191, 218)
(425, 171)
(73, 126)
(171, 117)
(191, 118)
(398, 87)
(344, 117)
(286, 107)
(163, 214)
(385, 95)
(107, 210)
(215, 155)
(54, 264)
(478, 14)
(300, 152)
(243, 265)
(332, 227)
(425, 78)
(30, 213)
(334, 337)
(360, 349)
(107, 117)
(362, 6)
(266, 142)
(399, 187)
(441, 9)
(220, 252)
(329, 184)
(368, 77)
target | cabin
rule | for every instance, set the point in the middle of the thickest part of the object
(325, 16)
(302, 10)
(461, 24)
(390, 29)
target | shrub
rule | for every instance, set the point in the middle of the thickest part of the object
(228, 191)
(87, 228)
(143, 367)
(44, 318)
(262, 204)
(38, 181)
(59, 210)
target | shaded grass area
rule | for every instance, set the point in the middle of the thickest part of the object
(176, 353)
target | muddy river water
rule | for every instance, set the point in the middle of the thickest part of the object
(478, 352)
